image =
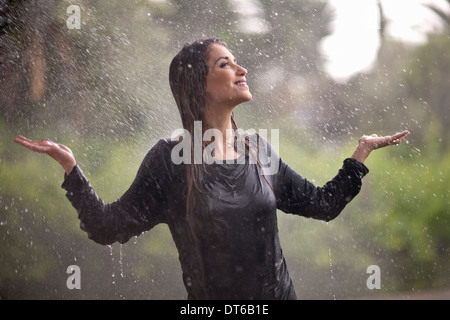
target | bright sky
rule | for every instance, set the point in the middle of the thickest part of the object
(354, 43)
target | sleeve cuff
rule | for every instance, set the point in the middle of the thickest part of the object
(355, 164)
(74, 179)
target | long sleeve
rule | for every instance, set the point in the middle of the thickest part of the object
(297, 195)
(139, 209)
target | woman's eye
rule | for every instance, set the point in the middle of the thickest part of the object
(223, 65)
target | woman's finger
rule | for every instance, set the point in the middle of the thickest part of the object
(399, 137)
(37, 146)
(20, 138)
(22, 141)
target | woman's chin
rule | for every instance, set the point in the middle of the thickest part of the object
(247, 97)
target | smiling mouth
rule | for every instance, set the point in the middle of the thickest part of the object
(241, 83)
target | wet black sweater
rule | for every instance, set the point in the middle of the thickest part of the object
(251, 264)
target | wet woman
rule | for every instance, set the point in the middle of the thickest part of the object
(222, 214)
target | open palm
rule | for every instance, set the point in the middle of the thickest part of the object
(373, 141)
(57, 151)
(367, 144)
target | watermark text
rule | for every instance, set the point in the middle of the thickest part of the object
(74, 280)
(74, 19)
(257, 144)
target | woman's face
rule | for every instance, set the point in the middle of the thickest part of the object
(225, 82)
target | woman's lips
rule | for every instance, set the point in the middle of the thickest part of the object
(241, 83)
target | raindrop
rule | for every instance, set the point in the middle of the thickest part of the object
(331, 271)
(188, 281)
(113, 276)
(121, 261)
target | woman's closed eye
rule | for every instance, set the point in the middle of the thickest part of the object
(227, 62)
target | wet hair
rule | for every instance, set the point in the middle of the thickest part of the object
(187, 77)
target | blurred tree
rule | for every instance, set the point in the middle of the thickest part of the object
(441, 13)
(427, 82)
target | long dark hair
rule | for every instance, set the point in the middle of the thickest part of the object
(187, 77)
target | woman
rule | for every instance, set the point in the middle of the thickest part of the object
(222, 215)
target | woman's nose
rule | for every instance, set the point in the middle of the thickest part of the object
(241, 70)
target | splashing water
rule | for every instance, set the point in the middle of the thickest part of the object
(121, 272)
(112, 260)
(120, 262)
(331, 272)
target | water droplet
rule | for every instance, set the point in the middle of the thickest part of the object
(121, 261)
(331, 271)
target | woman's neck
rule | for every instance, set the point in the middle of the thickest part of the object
(222, 122)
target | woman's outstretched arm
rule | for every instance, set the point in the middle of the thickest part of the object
(57, 151)
(297, 195)
(139, 209)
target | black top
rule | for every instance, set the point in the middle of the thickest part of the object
(251, 264)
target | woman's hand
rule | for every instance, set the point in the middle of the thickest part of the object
(57, 151)
(367, 144)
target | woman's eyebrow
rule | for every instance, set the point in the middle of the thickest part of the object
(224, 57)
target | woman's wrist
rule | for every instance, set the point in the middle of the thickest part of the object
(361, 153)
(68, 167)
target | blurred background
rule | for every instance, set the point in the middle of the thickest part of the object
(322, 72)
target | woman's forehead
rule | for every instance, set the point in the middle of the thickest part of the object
(216, 51)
